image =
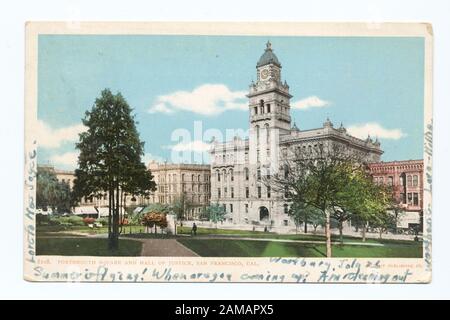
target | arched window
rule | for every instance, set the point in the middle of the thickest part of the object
(266, 127)
(231, 175)
(409, 179)
(257, 134)
(224, 173)
(415, 180)
(192, 178)
(218, 175)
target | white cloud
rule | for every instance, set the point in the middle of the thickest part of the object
(49, 138)
(310, 102)
(148, 157)
(68, 159)
(375, 130)
(207, 99)
(194, 146)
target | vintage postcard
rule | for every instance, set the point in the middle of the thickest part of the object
(228, 152)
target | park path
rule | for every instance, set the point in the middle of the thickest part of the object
(164, 248)
(229, 237)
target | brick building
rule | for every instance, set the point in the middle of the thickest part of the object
(406, 179)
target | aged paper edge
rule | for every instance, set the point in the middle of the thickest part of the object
(114, 273)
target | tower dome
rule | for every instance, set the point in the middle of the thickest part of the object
(268, 57)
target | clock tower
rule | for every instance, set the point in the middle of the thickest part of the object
(269, 108)
(269, 96)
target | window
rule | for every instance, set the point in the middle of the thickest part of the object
(232, 175)
(259, 192)
(286, 208)
(218, 193)
(390, 181)
(415, 181)
(225, 191)
(286, 191)
(268, 192)
(182, 177)
(286, 171)
(415, 199)
(198, 178)
(247, 192)
(409, 179)
(285, 223)
(258, 174)
(232, 192)
(246, 208)
(256, 110)
(246, 173)
(231, 207)
(266, 127)
(218, 175)
(268, 108)
(257, 134)
(409, 198)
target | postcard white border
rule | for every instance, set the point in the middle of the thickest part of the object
(231, 270)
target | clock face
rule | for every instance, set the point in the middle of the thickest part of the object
(264, 74)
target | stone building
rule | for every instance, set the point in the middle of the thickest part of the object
(174, 182)
(182, 182)
(95, 204)
(237, 166)
(406, 180)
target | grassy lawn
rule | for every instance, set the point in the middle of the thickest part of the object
(41, 230)
(214, 231)
(271, 235)
(85, 247)
(247, 248)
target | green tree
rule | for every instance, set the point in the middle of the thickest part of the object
(180, 205)
(110, 158)
(50, 193)
(316, 179)
(215, 213)
(370, 202)
(301, 213)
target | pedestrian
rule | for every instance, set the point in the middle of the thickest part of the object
(194, 229)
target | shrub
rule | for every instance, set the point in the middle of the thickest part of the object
(154, 218)
(103, 221)
(124, 222)
(75, 220)
(88, 220)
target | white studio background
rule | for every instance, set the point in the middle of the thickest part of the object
(12, 22)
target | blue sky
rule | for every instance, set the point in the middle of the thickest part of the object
(370, 84)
